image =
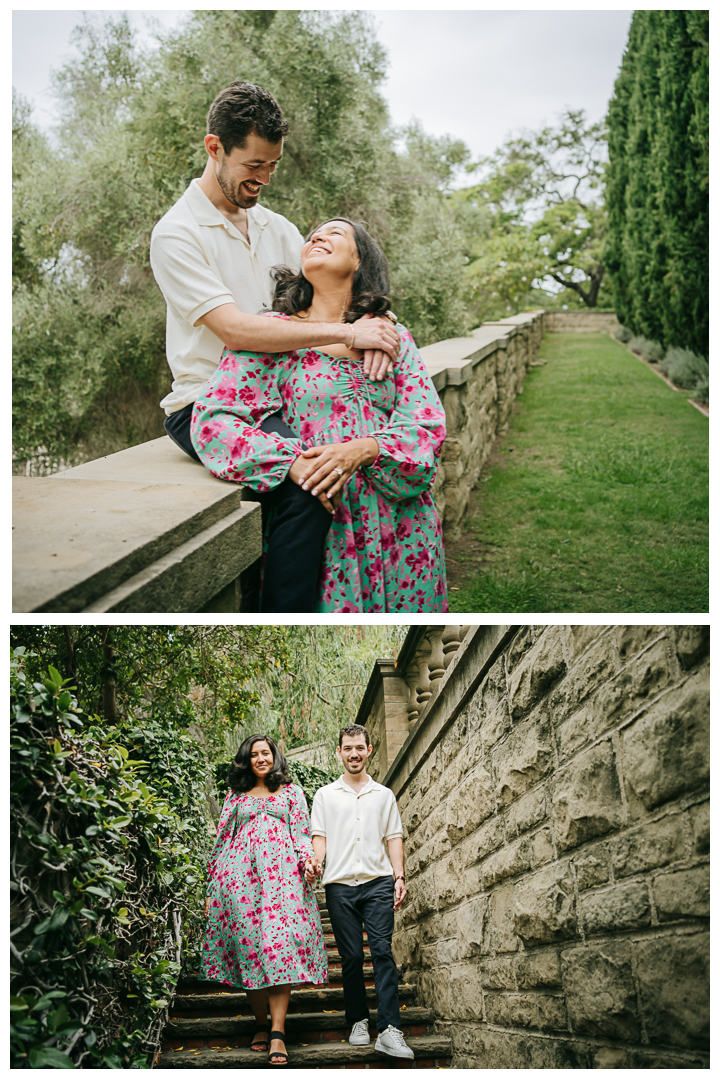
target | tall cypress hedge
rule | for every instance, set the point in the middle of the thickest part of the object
(657, 180)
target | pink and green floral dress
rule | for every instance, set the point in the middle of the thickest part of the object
(384, 551)
(264, 925)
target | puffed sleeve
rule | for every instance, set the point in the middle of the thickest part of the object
(299, 824)
(226, 419)
(225, 831)
(411, 441)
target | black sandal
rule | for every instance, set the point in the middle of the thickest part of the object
(277, 1053)
(260, 1047)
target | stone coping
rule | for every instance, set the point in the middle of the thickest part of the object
(451, 362)
(83, 533)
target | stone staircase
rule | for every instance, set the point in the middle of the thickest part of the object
(211, 1025)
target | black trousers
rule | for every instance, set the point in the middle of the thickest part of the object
(349, 907)
(295, 525)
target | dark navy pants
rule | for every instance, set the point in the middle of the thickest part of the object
(295, 524)
(351, 906)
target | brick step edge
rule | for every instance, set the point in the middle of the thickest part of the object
(202, 1002)
(297, 1024)
(435, 1050)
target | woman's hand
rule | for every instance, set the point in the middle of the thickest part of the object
(297, 472)
(206, 907)
(328, 468)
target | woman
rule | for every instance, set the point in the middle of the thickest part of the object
(264, 931)
(372, 445)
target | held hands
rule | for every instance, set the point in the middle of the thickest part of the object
(316, 469)
(313, 869)
(400, 893)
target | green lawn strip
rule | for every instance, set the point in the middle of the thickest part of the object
(601, 504)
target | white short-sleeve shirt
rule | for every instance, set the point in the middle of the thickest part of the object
(356, 828)
(200, 261)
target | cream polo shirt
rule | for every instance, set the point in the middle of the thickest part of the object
(356, 829)
(200, 261)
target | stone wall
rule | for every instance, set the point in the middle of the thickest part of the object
(555, 794)
(579, 321)
(478, 379)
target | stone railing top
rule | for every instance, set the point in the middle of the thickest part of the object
(81, 533)
(451, 362)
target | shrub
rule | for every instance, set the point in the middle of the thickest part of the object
(623, 334)
(701, 393)
(685, 368)
(651, 350)
(108, 849)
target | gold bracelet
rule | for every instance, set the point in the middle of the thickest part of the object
(352, 340)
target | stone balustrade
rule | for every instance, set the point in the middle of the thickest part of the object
(398, 694)
(148, 530)
(554, 791)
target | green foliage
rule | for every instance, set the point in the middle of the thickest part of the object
(685, 368)
(108, 845)
(89, 319)
(657, 179)
(321, 689)
(310, 778)
(602, 504)
(651, 350)
(543, 194)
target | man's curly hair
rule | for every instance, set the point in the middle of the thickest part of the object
(245, 109)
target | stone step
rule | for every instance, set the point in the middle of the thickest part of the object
(329, 1025)
(313, 999)
(334, 956)
(431, 1051)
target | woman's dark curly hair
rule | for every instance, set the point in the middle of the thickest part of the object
(242, 778)
(370, 285)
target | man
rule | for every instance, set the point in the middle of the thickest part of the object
(212, 255)
(356, 828)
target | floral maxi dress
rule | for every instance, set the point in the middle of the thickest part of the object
(264, 925)
(384, 551)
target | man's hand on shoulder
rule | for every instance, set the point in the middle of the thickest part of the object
(379, 356)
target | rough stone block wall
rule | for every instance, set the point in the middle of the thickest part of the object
(580, 321)
(558, 855)
(477, 411)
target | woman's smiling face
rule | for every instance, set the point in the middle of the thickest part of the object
(261, 758)
(331, 247)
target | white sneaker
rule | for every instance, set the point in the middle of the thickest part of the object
(360, 1034)
(391, 1042)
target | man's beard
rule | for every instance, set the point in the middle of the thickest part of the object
(234, 195)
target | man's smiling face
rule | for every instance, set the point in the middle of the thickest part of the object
(354, 753)
(243, 172)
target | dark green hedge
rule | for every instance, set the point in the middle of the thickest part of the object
(658, 180)
(109, 844)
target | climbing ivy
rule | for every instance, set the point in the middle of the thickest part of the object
(109, 842)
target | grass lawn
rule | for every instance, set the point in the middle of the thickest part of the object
(597, 498)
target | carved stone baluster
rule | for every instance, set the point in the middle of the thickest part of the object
(422, 657)
(412, 676)
(436, 664)
(463, 631)
(451, 643)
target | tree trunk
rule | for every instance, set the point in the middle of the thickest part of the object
(109, 700)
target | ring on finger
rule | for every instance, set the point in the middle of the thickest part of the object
(338, 470)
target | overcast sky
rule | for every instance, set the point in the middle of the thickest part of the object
(477, 75)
